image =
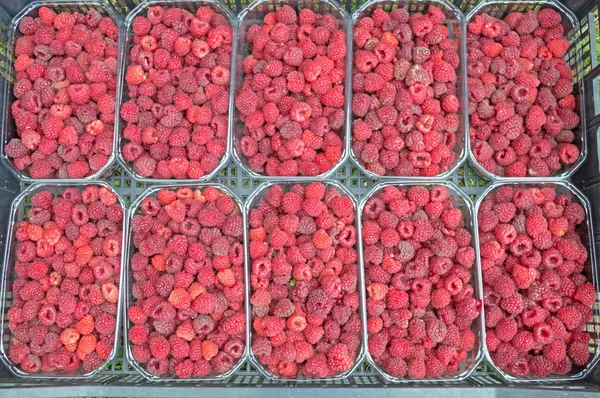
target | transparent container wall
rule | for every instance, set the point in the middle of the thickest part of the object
(18, 212)
(254, 14)
(9, 129)
(585, 231)
(455, 22)
(474, 356)
(251, 203)
(134, 209)
(142, 10)
(572, 31)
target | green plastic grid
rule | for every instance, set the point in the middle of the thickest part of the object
(118, 372)
(349, 174)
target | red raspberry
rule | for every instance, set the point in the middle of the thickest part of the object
(536, 224)
(548, 18)
(586, 293)
(159, 347)
(555, 352)
(558, 47)
(578, 353)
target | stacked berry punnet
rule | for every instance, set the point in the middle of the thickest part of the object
(305, 298)
(187, 318)
(419, 265)
(292, 98)
(63, 316)
(405, 101)
(179, 72)
(537, 298)
(521, 103)
(64, 111)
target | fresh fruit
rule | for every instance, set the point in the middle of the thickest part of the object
(405, 102)
(304, 280)
(177, 114)
(291, 101)
(538, 299)
(68, 249)
(64, 111)
(188, 271)
(421, 304)
(522, 105)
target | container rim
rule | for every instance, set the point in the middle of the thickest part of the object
(344, 132)
(566, 185)
(8, 118)
(130, 250)
(567, 173)
(476, 272)
(360, 357)
(120, 124)
(13, 219)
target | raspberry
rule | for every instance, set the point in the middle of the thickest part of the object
(586, 294)
(342, 206)
(452, 218)
(558, 226)
(159, 347)
(547, 19)
(536, 224)
(138, 334)
(558, 47)
(578, 353)
(555, 352)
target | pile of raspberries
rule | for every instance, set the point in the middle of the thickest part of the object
(404, 104)
(178, 78)
(292, 98)
(188, 317)
(63, 315)
(65, 87)
(420, 297)
(521, 103)
(304, 280)
(537, 299)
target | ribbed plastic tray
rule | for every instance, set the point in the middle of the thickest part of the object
(119, 378)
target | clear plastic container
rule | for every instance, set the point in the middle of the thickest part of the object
(251, 202)
(475, 356)
(18, 213)
(130, 250)
(123, 96)
(9, 130)
(253, 14)
(574, 58)
(590, 270)
(455, 22)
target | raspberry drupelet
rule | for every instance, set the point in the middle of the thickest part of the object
(65, 85)
(522, 103)
(419, 259)
(188, 271)
(304, 278)
(537, 297)
(176, 117)
(291, 101)
(405, 103)
(64, 311)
